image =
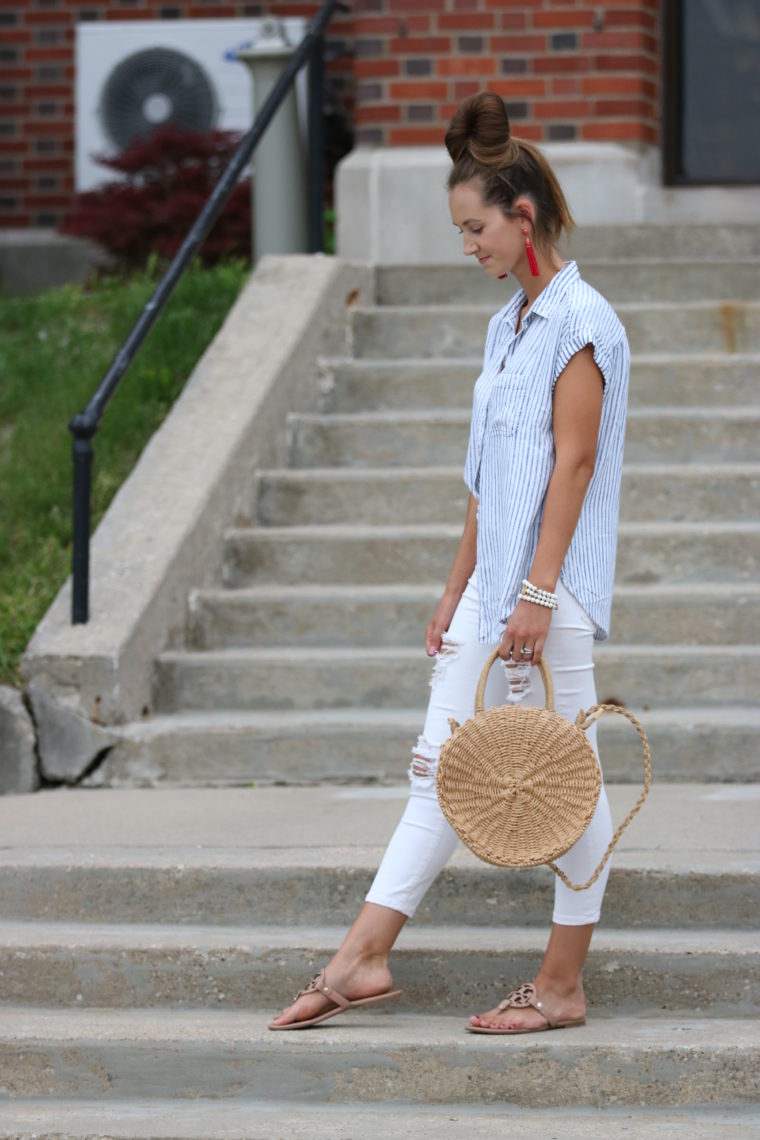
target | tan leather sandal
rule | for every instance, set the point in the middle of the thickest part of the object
(524, 996)
(319, 984)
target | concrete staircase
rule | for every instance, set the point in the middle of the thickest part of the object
(350, 544)
(148, 934)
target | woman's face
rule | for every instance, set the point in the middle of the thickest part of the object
(489, 234)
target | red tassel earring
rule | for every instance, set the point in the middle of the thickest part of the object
(531, 255)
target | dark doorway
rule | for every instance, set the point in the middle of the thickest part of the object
(712, 91)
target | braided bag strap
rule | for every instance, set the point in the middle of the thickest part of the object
(584, 720)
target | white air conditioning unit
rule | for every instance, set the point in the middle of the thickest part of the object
(134, 76)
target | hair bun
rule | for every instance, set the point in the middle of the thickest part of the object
(480, 125)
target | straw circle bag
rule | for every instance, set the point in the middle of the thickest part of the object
(519, 785)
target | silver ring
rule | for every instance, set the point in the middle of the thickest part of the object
(525, 652)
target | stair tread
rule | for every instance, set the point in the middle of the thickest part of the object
(24, 1025)
(460, 268)
(296, 653)
(451, 470)
(430, 363)
(369, 590)
(685, 826)
(442, 530)
(393, 417)
(283, 720)
(221, 1118)
(450, 939)
(621, 307)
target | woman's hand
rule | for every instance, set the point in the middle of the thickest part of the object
(528, 626)
(439, 623)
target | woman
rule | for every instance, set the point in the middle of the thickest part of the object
(534, 569)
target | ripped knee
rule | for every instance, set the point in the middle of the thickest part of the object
(424, 761)
(446, 654)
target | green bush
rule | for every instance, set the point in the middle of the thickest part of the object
(54, 350)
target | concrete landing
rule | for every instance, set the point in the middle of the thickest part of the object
(705, 827)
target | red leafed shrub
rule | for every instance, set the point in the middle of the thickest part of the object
(166, 181)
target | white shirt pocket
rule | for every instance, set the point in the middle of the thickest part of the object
(507, 402)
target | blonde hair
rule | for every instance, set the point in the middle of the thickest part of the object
(482, 149)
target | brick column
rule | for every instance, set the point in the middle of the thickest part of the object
(569, 69)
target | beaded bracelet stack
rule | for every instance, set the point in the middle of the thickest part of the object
(539, 597)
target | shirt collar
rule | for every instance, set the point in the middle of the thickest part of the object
(549, 297)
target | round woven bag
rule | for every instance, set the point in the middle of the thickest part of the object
(519, 785)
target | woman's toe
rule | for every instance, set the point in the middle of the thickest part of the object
(278, 1019)
(482, 1021)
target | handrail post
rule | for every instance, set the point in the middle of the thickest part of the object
(83, 430)
(316, 146)
(278, 186)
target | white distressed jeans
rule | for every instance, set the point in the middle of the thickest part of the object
(424, 840)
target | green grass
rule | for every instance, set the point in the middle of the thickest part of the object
(54, 350)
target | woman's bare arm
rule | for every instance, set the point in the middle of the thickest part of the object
(461, 569)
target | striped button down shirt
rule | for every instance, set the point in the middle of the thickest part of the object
(510, 458)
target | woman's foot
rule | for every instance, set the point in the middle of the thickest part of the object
(559, 1005)
(361, 980)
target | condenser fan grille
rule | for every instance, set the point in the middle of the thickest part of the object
(153, 87)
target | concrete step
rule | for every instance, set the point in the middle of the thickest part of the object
(647, 553)
(665, 378)
(292, 856)
(632, 243)
(422, 438)
(441, 970)
(657, 279)
(118, 1054)
(382, 677)
(229, 747)
(456, 331)
(682, 492)
(315, 616)
(237, 1118)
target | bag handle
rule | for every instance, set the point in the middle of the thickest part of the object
(584, 720)
(542, 667)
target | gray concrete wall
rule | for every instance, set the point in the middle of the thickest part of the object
(161, 535)
(391, 204)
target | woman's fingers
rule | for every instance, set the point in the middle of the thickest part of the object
(433, 635)
(437, 626)
(525, 630)
(512, 643)
(505, 647)
(432, 641)
(538, 650)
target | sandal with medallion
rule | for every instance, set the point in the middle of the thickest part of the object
(523, 997)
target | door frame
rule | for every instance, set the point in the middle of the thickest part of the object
(672, 103)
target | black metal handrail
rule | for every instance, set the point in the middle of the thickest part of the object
(85, 424)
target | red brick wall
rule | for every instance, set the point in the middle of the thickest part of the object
(568, 69)
(37, 88)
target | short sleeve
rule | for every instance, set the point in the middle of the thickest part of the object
(575, 336)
